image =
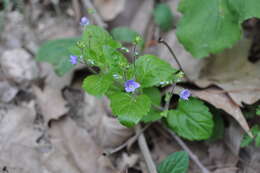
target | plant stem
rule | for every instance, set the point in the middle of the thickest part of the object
(161, 40)
(191, 154)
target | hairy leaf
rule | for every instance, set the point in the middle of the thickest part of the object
(97, 85)
(56, 52)
(211, 26)
(163, 16)
(130, 109)
(125, 34)
(191, 120)
(151, 71)
(175, 163)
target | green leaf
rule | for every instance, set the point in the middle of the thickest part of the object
(130, 109)
(191, 120)
(258, 110)
(247, 140)
(211, 26)
(175, 163)
(152, 71)
(97, 85)
(163, 16)
(95, 38)
(154, 94)
(56, 53)
(152, 116)
(127, 35)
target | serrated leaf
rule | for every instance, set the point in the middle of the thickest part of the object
(175, 163)
(97, 85)
(211, 26)
(151, 71)
(129, 109)
(191, 120)
(56, 52)
(163, 16)
(125, 34)
(95, 39)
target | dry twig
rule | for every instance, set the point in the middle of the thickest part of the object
(146, 152)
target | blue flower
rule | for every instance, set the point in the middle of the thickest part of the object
(131, 85)
(185, 94)
(84, 21)
(73, 59)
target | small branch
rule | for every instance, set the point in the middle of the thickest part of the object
(88, 5)
(146, 152)
(191, 154)
(128, 143)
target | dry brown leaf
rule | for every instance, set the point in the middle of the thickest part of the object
(18, 65)
(18, 145)
(142, 17)
(52, 79)
(220, 156)
(111, 133)
(109, 9)
(233, 137)
(232, 71)
(74, 150)
(7, 92)
(222, 101)
(51, 103)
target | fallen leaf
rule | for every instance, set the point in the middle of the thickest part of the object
(111, 133)
(7, 92)
(74, 150)
(141, 19)
(51, 103)
(109, 9)
(18, 146)
(18, 65)
(232, 71)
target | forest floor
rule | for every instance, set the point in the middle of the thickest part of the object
(48, 124)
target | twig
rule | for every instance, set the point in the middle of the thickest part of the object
(128, 143)
(191, 154)
(146, 152)
(88, 5)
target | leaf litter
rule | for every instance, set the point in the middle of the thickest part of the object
(73, 141)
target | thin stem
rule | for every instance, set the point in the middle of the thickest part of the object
(128, 143)
(161, 40)
(134, 59)
(191, 154)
